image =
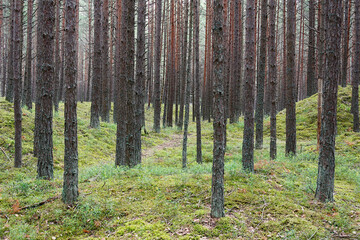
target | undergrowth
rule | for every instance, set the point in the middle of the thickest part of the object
(160, 200)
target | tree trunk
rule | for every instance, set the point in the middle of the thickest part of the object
(291, 79)
(88, 92)
(120, 103)
(347, 18)
(45, 76)
(17, 47)
(62, 71)
(10, 79)
(356, 69)
(157, 63)
(197, 84)
(70, 188)
(95, 96)
(171, 68)
(249, 79)
(311, 81)
(236, 68)
(57, 57)
(272, 76)
(27, 97)
(326, 171)
(217, 188)
(259, 113)
(140, 77)
(188, 85)
(184, 67)
(105, 74)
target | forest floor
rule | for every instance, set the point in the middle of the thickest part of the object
(160, 200)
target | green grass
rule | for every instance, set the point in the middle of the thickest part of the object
(160, 200)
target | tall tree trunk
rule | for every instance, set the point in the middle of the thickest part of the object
(95, 96)
(27, 98)
(248, 139)
(321, 40)
(88, 92)
(105, 74)
(62, 70)
(197, 83)
(129, 28)
(217, 188)
(356, 69)
(235, 79)
(326, 171)
(347, 17)
(184, 67)
(157, 63)
(10, 79)
(57, 57)
(17, 48)
(127, 79)
(70, 188)
(259, 113)
(120, 97)
(172, 71)
(291, 79)
(311, 81)
(284, 69)
(45, 78)
(188, 85)
(272, 76)
(140, 77)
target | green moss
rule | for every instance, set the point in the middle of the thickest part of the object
(160, 200)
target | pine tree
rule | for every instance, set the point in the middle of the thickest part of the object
(259, 113)
(17, 58)
(326, 170)
(356, 69)
(157, 62)
(311, 81)
(290, 79)
(272, 76)
(95, 92)
(217, 189)
(249, 79)
(70, 188)
(45, 76)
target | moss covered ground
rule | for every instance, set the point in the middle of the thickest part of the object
(160, 200)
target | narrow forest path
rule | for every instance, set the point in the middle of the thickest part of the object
(175, 140)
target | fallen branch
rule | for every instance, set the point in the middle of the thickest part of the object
(40, 203)
(5, 154)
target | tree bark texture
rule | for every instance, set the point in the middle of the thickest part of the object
(356, 69)
(272, 76)
(249, 82)
(70, 188)
(95, 96)
(326, 170)
(157, 63)
(45, 78)
(291, 79)
(217, 187)
(259, 112)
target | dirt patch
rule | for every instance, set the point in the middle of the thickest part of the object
(173, 141)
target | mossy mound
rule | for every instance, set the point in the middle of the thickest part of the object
(307, 113)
